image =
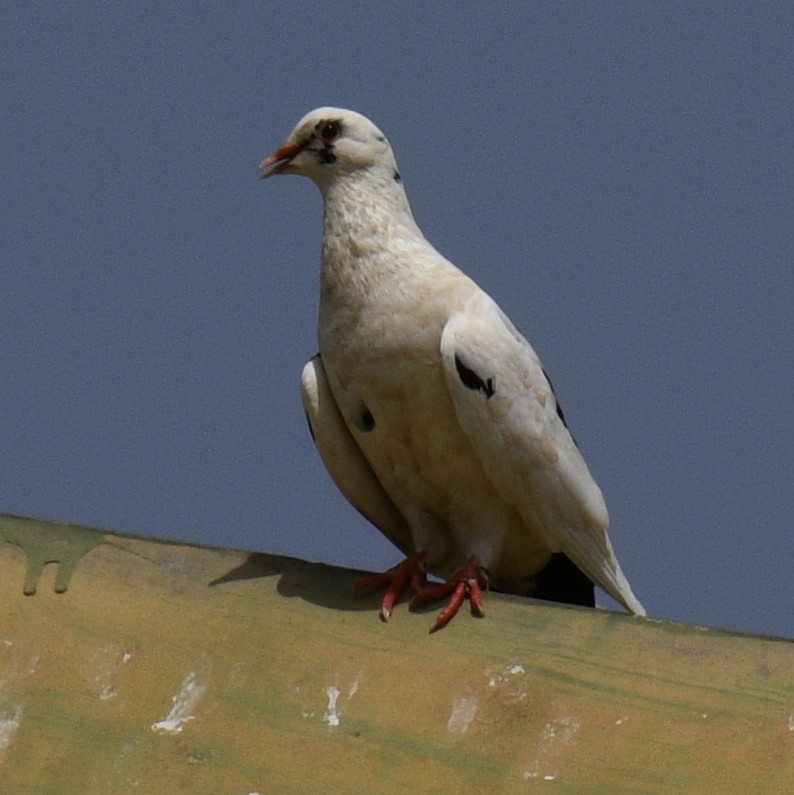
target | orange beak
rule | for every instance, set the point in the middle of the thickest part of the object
(278, 161)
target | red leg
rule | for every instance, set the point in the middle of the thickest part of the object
(411, 570)
(465, 584)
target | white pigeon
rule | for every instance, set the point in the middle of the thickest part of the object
(432, 413)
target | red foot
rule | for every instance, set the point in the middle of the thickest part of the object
(412, 570)
(465, 584)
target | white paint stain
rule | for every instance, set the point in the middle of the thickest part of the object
(554, 737)
(511, 676)
(534, 774)
(353, 689)
(464, 708)
(495, 679)
(791, 722)
(9, 723)
(10, 713)
(184, 702)
(108, 662)
(107, 691)
(331, 716)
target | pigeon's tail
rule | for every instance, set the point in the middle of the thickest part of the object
(593, 554)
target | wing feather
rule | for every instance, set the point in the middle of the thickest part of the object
(507, 408)
(344, 460)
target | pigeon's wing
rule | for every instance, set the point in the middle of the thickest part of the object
(344, 460)
(507, 408)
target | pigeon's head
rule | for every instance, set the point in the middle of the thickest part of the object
(329, 142)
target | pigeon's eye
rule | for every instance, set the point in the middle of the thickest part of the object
(330, 131)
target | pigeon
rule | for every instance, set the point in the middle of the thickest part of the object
(432, 413)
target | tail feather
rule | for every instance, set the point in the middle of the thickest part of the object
(593, 554)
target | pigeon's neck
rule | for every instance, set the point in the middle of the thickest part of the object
(366, 217)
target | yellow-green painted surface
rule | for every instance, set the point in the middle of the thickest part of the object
(163, 668)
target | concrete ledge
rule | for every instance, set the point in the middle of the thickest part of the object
(171, 668)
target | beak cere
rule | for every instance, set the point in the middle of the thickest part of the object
(279, 160)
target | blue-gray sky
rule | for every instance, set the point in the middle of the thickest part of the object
(618, 176)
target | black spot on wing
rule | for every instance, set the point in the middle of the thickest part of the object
(559, 407)
(561, 581)
(309, 423)
(471, 380)
(364, 420)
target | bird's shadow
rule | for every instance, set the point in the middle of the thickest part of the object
(317, 583)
